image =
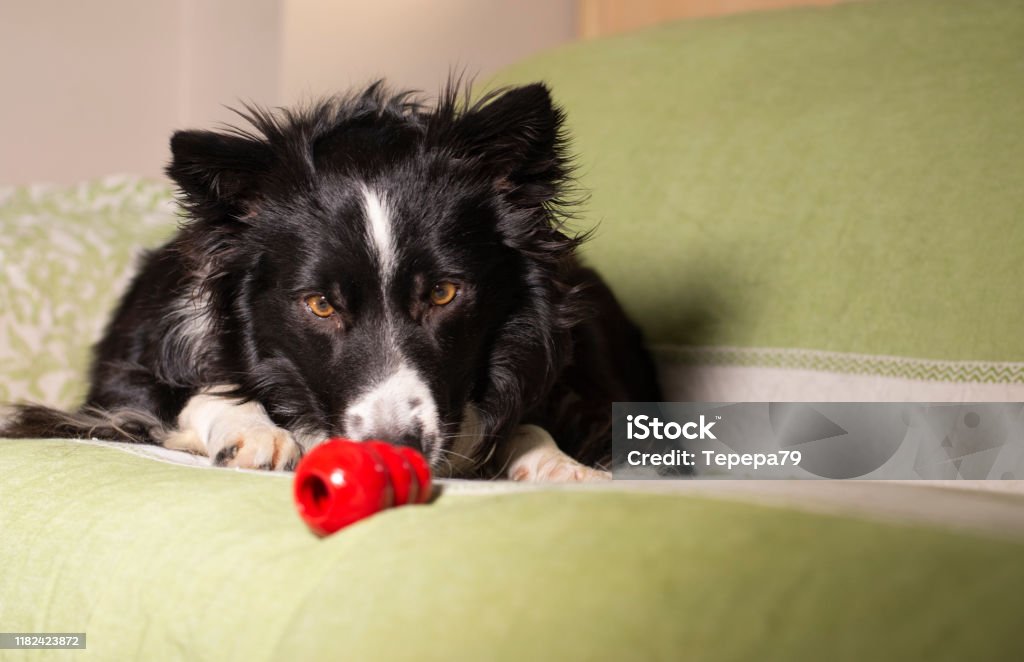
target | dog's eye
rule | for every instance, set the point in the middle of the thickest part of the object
(442, 293)
(319, 305)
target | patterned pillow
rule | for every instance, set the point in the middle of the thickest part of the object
(65, 256)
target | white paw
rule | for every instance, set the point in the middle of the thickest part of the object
(558, 470)
(233, 433)
(536, 457)
(256, 447)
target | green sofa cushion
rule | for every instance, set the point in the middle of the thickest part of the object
(156, 560)
(65, 255)
(843, 179)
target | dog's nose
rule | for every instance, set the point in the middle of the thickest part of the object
(407, 432)
(399, 409)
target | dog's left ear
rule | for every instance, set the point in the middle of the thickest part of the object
(516, 135)
(218, 173)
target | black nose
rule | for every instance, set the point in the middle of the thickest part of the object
(393, 432)
(411, 439)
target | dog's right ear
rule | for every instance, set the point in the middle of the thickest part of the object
(218, 173)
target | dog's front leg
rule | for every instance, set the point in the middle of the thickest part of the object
(233, 433)
(533, 455)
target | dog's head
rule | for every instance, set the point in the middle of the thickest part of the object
(378, 269)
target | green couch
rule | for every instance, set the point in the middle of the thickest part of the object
(825, 196)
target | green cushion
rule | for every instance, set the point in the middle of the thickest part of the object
(65, 256)
(845, 179)
(154, 560)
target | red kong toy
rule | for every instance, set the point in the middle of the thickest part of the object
(342, 481)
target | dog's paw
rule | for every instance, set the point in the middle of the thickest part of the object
(557, 470)
(536, 457)
(258, 447)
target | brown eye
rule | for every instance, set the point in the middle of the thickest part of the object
(442, 293)
(319, 305)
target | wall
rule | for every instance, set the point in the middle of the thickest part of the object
(414, 43)
(599, 18)
(92, 88)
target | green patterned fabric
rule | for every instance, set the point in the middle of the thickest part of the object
(844, 179)
(984, 372)
(65, 256)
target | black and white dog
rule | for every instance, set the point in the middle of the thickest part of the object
(373, 268)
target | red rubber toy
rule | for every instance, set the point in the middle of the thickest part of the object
(340, 482)
(404, 483)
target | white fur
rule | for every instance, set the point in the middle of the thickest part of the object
(378, 228)
(534, 456)
(192, 325)
(211, 423)
(402, 401)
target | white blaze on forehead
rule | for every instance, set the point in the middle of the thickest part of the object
(378, 228)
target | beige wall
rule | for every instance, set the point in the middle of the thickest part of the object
(413, 43)
(92, 88)
(599, 18)
(63, 65)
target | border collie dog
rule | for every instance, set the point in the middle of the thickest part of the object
(370, 267)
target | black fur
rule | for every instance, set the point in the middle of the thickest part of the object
(479, 194)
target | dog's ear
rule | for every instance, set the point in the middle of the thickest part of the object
(517, 137)
(218, 173)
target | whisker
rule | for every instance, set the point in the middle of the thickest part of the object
(459, 455)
